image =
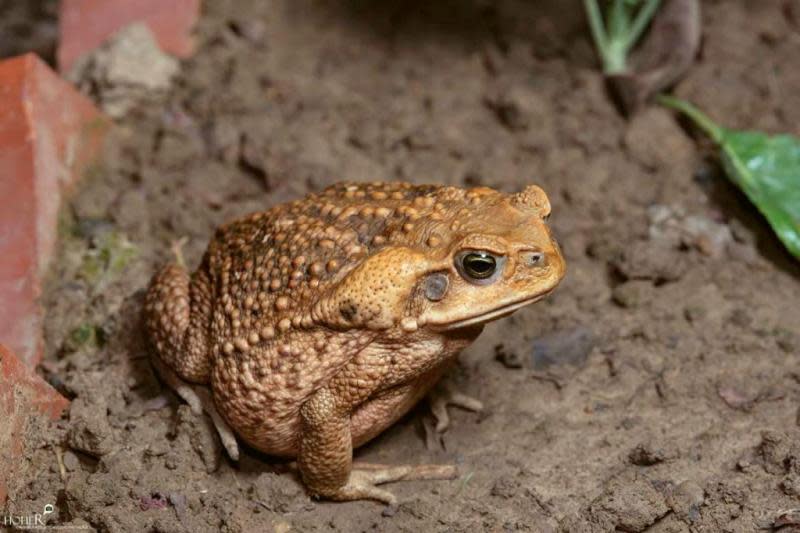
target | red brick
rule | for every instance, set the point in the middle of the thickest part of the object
(85, 24)
(23, 396)
(49, 134)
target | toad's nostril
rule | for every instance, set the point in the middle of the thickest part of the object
(536, 258)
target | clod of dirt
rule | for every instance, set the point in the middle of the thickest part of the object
(741, 318)
(89, 430)
(510, 358)
(71, 461)
(707, 306)
(505, 487)
(791, 485)
(200, 432)
(253, 159)
(663, 58)
(628, 503)
(685, 500)
(788, 341)
(225, 139)
(671, 224)
(253, 30)
(277, 493)
(633, 293)
(710, 237)
(86, 494)
(175, 147)
(652, 261)
(564, 347)
(779, 452)
(649, 454)
(518, 106)
(130, 69)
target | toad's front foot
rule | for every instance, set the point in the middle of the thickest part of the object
(364, 478)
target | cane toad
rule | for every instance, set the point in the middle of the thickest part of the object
(310, 328)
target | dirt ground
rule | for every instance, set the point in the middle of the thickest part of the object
(656, 390)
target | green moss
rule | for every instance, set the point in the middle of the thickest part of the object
(85, 337)
(107, 259)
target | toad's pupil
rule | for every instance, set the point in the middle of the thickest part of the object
(479, 266)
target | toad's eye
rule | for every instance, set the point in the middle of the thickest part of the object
(478, 266)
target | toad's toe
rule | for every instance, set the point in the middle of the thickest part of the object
(364, 478)
(443, 396)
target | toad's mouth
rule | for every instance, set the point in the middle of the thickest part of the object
(495, 314)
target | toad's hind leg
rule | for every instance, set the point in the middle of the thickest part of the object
(177, 315)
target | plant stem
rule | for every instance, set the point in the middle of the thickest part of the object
(615, 36)
(618, 19)
(643, 18)
(615, 57)
(596, 24)
(698, 117)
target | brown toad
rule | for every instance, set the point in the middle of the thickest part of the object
(319, 323)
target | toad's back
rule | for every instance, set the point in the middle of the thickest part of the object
(269, 267)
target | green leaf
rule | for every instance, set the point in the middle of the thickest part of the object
(765, 167)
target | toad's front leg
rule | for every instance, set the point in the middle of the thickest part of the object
(326, 456)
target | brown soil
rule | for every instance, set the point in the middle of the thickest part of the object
(657, 390)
